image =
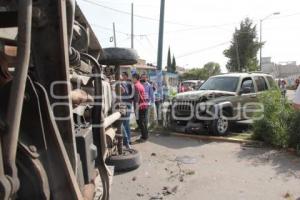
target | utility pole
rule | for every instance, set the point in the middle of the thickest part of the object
(159, 56)
(161, 35)
(132, 36)
(260, 36)
(260, 41)
(115, 39)
(237, 53)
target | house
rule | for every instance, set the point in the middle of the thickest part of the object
(141, 67)
(289, 71)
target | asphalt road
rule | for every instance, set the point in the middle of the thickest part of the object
(216, 171)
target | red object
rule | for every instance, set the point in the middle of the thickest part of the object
(182, 88)
(139, 88)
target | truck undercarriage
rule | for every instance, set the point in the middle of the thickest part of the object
(58, 123)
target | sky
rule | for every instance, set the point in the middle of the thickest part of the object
(196, 31)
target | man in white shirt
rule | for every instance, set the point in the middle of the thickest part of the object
(296, 101)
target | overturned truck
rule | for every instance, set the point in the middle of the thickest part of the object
(59, 124)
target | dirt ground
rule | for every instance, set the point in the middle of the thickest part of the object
(183, 168)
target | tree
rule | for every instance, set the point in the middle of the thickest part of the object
(169, 64)
(209, 69)
(212, 68)
(242, 52)
(173, 65)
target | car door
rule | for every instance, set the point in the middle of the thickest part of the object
(261, 84)
(247, 99)
(272, 83)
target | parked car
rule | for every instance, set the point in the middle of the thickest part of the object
(221, 100)
(190, 85)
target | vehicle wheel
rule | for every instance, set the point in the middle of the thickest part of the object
(118, 56)
(129, 160)
(220, 126)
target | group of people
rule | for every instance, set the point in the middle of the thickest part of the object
(139, 93)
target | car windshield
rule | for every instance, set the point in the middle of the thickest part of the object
(221, 83)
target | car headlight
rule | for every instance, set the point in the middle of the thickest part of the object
(202, 107)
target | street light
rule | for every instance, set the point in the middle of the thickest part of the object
(260, 37)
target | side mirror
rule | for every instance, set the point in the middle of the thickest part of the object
(245, 90)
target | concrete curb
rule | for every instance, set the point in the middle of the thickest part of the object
(217, 139)
(208, 138)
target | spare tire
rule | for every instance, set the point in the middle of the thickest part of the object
(129, 160)
(118, 56)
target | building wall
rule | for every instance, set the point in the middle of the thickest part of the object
(287, 70)
(281, 70)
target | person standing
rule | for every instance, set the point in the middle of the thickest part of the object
(148, 89)
(127, 99)
(282, 87)
(297, 81)
(149, 95)
(296, 101)
(141, 107)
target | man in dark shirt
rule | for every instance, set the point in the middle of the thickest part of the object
(141, 106)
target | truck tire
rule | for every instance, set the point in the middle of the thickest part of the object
(129, 160)
(118, 56)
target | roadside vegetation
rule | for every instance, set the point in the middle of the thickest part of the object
(209, 69)
(279, 125)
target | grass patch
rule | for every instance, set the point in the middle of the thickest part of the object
(242, 136)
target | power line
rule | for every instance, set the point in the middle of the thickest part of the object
(109, 29)
(204, 49)
(149, 41)
(138, 16)
(193, 29)
(126, 39)
(285, 16)
(126, 3)
(147, 49)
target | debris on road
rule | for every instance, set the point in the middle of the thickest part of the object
(175, 189)
(139, 194)
(176, 178)
(157, 197)
(153, 154)
(181, 179)
(181, 173)
(288, 196)
(166, 191)
(134, 178)
(190, 172)
(186, 159)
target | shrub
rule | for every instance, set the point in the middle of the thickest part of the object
(274, 127)
(294, 130)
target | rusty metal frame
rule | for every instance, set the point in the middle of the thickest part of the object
(48, 39)
(10, 139)
(51, 58)
(99, 131)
